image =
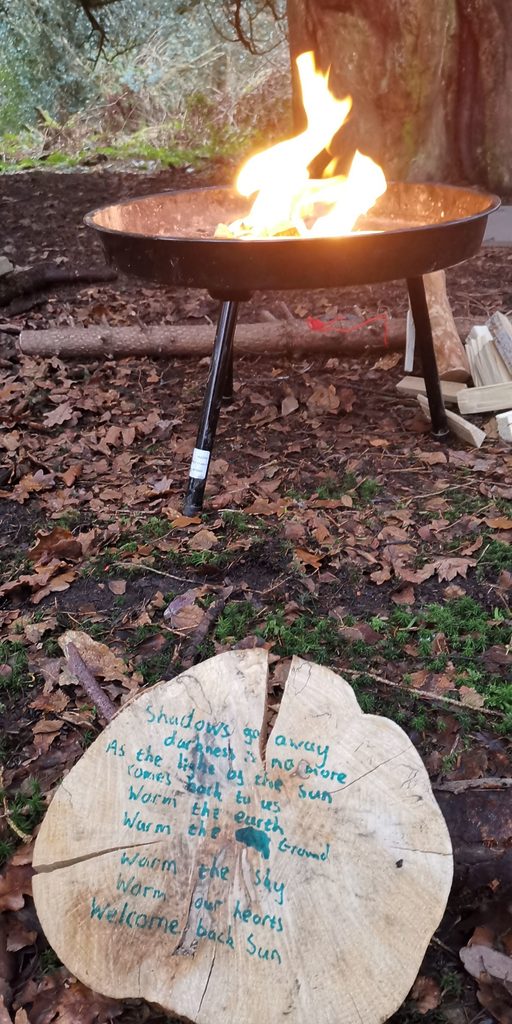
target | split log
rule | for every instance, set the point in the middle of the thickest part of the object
(181, 863)
(47, 275)
(451, 358)
(487, 399)
(282, 337)
(462, 428)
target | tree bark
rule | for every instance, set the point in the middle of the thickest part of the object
(430, 83)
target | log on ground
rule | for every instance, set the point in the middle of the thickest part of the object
(285, 337)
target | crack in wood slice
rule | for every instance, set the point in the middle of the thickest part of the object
(291, 882)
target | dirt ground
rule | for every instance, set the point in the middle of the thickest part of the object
(335, 528)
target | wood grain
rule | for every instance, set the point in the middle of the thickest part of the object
(301, 882)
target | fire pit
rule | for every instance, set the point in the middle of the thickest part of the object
(299, 233)
(169, 238)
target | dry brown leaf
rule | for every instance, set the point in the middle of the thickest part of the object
(60, 414)
(306, 557)
(18, 936)
(426, 993)
(433, 458)
(381, 575)
(72, 474)
(60, 999)
(203, 540)
(294, 530)
(5, 1017)
(55, 585)
(117, 586)
(480, 960)
(59, 543)
(288, 405)
(183, 613)
(323, 399)
(100, 660)
(499, 523)
(388, 361)
(449, 568)
(470, 697)
(183, 522)
(15, 884)
(453, 591)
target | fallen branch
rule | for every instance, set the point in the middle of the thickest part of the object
(89, 683)
(461, 785)
(286, 337)
(48, 275)
(422, 694)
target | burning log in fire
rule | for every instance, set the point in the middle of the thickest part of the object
(288, 201)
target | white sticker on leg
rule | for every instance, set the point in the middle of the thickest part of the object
(200, 462)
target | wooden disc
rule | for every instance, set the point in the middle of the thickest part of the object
(177, 864)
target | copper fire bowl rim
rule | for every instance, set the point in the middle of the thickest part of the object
(127, 217)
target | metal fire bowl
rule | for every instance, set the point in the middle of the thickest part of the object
(412, 230)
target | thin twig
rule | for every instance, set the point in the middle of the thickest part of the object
(158, 572)
(423, 694)
(89, 683)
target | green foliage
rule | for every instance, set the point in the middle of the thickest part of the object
(235, 621)
(25, 808)
(307, 636)
(13, 655)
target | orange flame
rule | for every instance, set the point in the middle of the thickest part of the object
(287, 198)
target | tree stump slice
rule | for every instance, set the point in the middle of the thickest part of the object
(182, 863)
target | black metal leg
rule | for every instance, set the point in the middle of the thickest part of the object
(423, 328)
(227, 396)
(221, 372)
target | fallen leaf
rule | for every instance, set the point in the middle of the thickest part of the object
(433, 458)
(426, 993)
(323, 399)
(499, 523)
(98, 657)
(62, 999)
(480, 960)
(117, 586)
(60, 543)
(453, 591)
(306, 557)
(388, 361)
(288, 405)
(55, 586)
(448, 568)
(63, 412)
(15, 884)
(72, 474)
(470, 697)
(203, 540)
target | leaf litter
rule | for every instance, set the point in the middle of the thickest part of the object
(338, 530)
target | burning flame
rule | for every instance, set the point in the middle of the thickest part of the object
(288, 201)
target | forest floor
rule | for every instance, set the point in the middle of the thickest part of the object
(334, 528)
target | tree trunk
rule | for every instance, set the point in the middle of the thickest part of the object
(430, 82)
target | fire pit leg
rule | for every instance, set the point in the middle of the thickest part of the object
(421, 319)
(220, 384)
(227, 396)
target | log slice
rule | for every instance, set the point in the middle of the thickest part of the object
(183, 863)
